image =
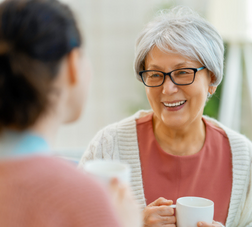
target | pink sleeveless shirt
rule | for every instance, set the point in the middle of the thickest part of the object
(207, 173)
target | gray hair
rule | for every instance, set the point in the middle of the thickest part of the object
(182, 31)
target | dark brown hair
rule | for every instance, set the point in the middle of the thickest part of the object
(34, 37)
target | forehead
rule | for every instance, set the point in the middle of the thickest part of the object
(163, 58)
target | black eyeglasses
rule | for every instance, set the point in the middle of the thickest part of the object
(154, 78)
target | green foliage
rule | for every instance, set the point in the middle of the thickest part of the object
(212, 107)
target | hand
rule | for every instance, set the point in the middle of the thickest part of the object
(204, 224)
(158, 213)
(126, 207)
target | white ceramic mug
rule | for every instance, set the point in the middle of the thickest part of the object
(191, 210)
(108, 169)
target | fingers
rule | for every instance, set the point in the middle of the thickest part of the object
(161, 201)
(161, 207)
(168, 220)
(114, 187)
(165, 211)
(119, 190)
(126, 207)
(218, 224)
(162, 210)
(160, 221)
(162, 225)
(162, 215)
(169, 225)
(114, 183)
(204, 224)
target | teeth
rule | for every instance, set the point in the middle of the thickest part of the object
(174, 104)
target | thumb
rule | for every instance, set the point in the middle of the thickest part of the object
(161, 201)
(114, 183)
(203, 224)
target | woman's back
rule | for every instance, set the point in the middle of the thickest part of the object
(44, 191)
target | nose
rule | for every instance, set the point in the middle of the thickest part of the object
(169, 87)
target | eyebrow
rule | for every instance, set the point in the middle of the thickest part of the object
(154, 66)
(182, 64)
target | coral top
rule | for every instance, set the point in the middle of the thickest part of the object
(207, 173)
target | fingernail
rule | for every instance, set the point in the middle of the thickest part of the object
(114, 181)
(200, 224)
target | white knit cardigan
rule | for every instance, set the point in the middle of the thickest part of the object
(119, 142)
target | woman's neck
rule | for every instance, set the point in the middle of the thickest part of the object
(187, 140)
(47, 127)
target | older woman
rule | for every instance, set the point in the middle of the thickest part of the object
(173, 149)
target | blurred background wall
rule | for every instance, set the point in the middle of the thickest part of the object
(111, 28)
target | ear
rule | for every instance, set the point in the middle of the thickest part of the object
(211, 77)
(211, 89)
(72, 62)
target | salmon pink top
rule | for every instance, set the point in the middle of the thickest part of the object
(37, 190)
(207, 173)
(40, 191)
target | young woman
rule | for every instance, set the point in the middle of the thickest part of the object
(44, 75)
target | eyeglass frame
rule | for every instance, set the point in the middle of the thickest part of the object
(169, 74)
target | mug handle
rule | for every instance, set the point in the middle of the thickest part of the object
(172, 206)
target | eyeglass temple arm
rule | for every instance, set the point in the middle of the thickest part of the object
(203, 67)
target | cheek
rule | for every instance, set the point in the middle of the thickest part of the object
(147, 91)
(85, 76)
(150, 94)
(153, 96)
(206, 84)
(86, 72)
(198, 96)
(201, 86)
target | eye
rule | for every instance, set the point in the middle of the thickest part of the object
(183, 72)
(155, 75)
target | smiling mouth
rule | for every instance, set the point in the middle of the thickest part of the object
(175, 104)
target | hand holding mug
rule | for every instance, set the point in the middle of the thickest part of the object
(125, 205)
(205, 224)
(116, 177)
(159, 214)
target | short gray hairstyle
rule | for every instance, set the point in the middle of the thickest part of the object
(180, 30)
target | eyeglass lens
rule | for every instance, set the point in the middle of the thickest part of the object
(180, 76)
